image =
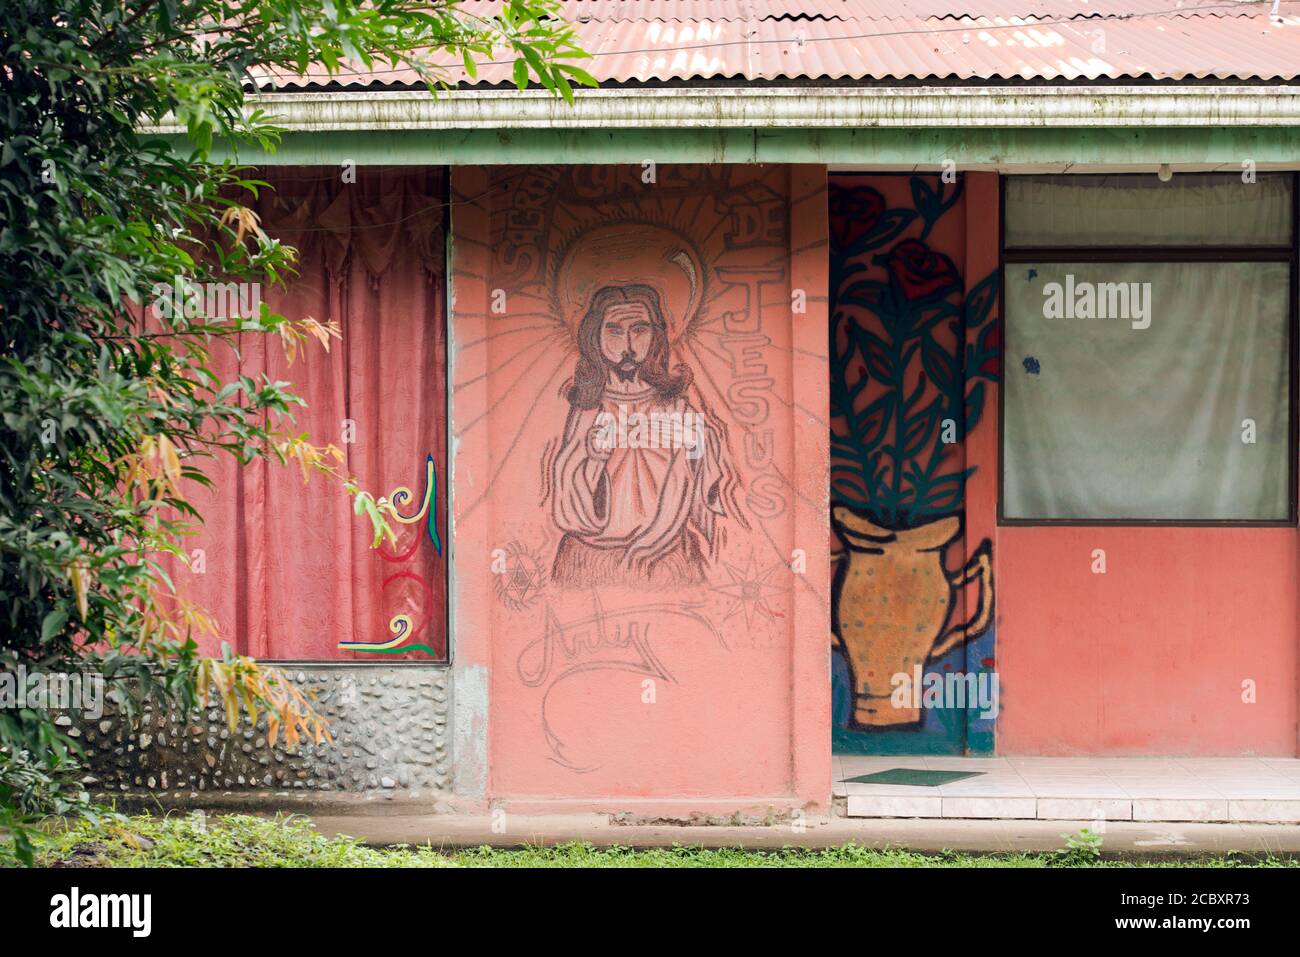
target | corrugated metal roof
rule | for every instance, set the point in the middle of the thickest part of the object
(1060, 40)
(704, 10)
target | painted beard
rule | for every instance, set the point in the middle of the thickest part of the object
(627, 368)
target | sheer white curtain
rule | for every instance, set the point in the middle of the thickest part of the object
(1128, 210)
(1106, 421)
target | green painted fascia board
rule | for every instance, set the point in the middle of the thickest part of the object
(869, 148)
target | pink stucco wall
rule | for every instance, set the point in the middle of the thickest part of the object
(704, 685)
(698, 680)
(1149, 658)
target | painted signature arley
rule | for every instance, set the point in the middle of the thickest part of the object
(605, 641)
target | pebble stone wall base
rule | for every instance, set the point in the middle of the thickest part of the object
(389, 724)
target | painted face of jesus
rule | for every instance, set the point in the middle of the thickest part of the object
(625, 338)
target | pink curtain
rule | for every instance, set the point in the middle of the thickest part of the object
(286, 567)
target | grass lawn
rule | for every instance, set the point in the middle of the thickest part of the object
(194, 840)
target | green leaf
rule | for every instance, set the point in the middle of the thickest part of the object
(53, 624)
(578, 73)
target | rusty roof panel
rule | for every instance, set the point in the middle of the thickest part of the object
(705, 10)
(1042, 43)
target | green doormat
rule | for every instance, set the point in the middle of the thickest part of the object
(914, 776)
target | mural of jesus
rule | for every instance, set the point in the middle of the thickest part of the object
(634, 504)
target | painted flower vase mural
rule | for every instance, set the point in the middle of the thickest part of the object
(895, 598)
(911, 349)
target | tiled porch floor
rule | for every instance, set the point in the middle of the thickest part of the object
(1117, 789)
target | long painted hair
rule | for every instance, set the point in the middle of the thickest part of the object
(593, 369)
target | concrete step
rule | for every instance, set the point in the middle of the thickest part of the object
(1012, 807)
(1230, 790)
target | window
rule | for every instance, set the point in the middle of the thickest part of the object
(1149, 367)
(288, 571)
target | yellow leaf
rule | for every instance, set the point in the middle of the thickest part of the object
(80, 579)
(219, 678)
(290, 341)
(232, 709)
(171, 464)
(246, 221)
(322, 332)
(250, 704)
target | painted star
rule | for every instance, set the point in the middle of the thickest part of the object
(521, 581)
(748, 591)
(520, 577)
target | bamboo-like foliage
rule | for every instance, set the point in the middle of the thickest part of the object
(111, 406)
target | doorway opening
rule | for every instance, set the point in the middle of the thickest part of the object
(914, 367)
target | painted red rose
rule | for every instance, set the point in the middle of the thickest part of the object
(920, 272)
(853, 213)
(993, 364)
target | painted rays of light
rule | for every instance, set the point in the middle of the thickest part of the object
(401, 626)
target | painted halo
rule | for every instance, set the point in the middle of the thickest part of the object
(624, 253)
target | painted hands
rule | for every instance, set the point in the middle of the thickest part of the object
(599, 443)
